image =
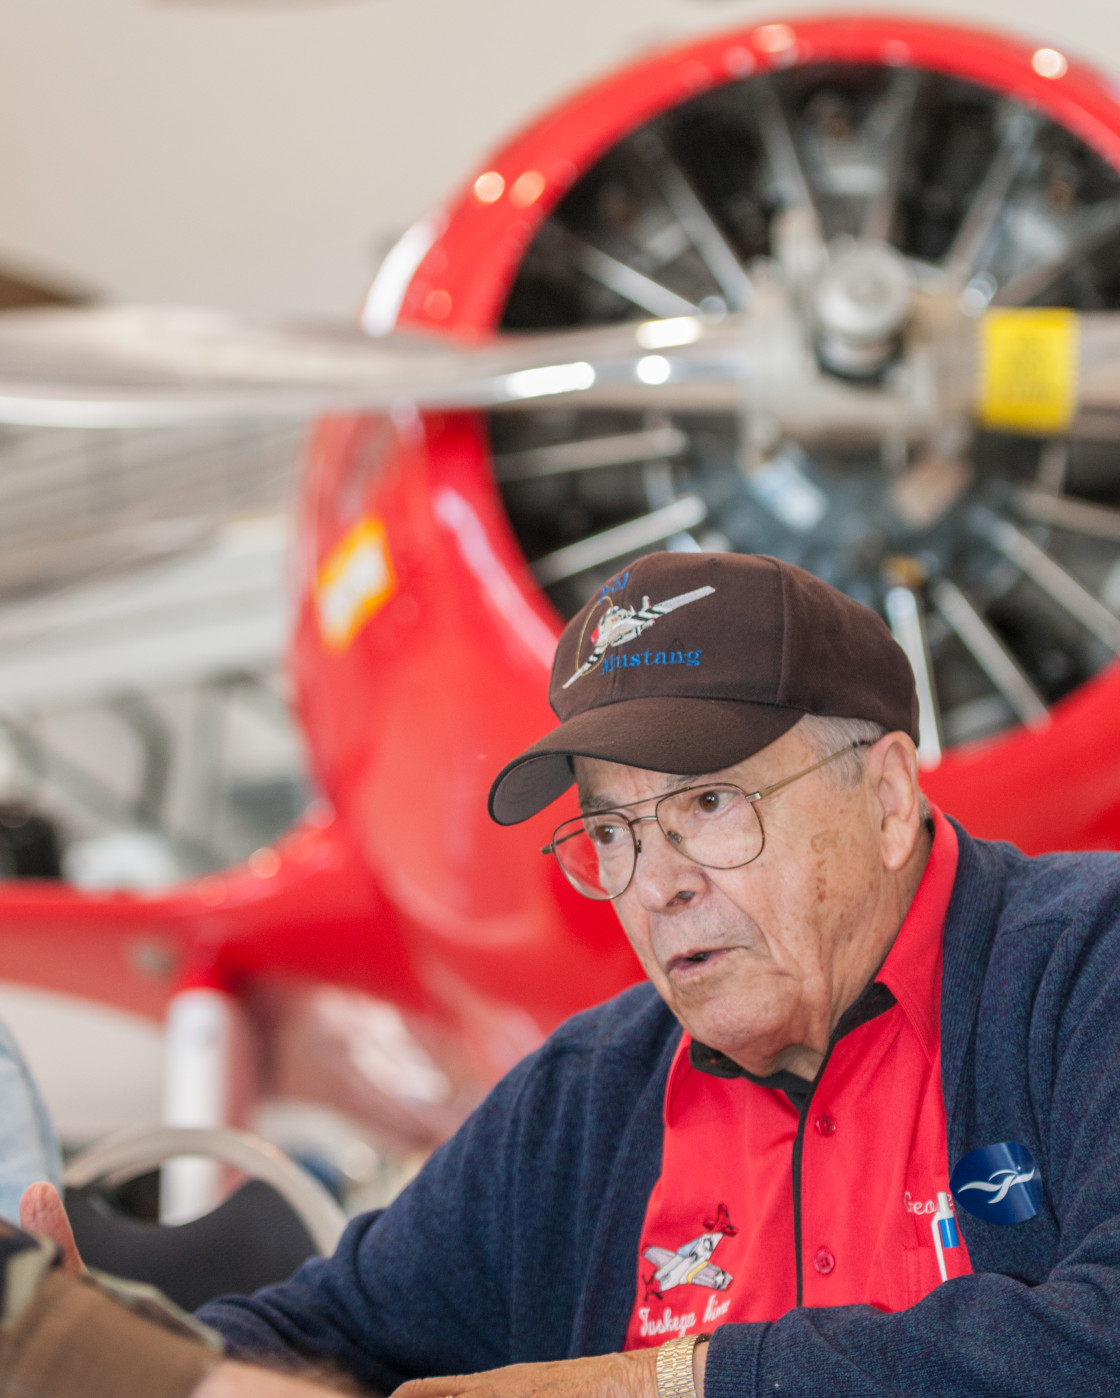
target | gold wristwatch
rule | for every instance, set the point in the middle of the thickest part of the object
(674, 1367)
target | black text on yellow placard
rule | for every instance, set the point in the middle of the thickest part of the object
(1028, 370)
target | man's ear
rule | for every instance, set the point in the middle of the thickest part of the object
(892, 770)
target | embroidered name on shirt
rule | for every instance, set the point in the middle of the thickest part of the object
(667, 1323)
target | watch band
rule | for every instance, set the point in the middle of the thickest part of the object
(674, 1367)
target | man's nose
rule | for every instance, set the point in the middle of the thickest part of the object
(664, 875)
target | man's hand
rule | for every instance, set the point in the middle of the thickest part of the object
(41, 1210)
(232, 1380)
(629, 1375)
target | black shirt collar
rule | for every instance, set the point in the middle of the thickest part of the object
(874, 1001)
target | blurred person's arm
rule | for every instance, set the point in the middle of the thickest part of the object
(63, 1335)
(77, 1336)
(28, 1147)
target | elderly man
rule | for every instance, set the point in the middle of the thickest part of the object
(736, 1180)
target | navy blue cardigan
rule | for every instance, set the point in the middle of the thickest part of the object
(518, 1239)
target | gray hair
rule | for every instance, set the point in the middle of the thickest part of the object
(828, 735)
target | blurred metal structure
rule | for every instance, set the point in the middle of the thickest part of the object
(144, 590)
(126, 1154)
(76, 507)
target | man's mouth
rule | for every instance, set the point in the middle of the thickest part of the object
(693, 964)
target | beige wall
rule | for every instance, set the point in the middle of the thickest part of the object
(260, 154)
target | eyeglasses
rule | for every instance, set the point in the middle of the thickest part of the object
(715, 825)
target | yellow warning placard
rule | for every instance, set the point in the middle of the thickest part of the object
(1028, 370)
(355, 580)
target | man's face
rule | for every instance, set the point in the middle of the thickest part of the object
(761, 961)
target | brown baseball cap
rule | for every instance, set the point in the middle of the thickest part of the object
(690, 662)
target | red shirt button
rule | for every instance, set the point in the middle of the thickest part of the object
(824, 1262)
(825, 1124)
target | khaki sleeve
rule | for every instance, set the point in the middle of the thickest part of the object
(72, 1341)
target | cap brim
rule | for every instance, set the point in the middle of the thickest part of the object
(685, 736)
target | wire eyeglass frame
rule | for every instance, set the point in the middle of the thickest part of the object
(753, 797)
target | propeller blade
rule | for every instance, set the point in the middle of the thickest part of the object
(149, 366)
(143, 366)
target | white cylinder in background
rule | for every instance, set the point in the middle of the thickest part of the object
(206, 1072)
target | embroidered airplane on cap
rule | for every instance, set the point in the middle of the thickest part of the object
(618, 625)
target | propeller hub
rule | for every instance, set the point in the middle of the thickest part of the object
(861, 303)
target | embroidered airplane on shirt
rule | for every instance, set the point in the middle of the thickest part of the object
(690, 1264)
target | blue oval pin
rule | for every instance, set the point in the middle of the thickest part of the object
(999, 1183)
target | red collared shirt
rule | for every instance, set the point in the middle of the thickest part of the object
(761, 1207)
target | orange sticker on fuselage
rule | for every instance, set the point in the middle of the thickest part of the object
(355, 580)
